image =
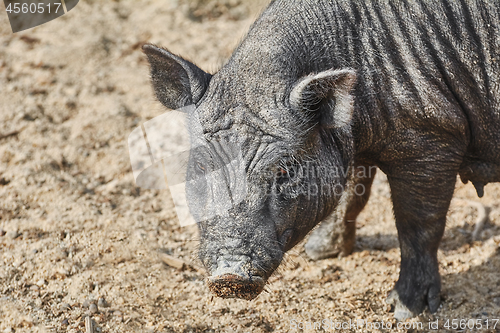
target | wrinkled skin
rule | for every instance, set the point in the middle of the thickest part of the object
(247, 244)
(327, 85)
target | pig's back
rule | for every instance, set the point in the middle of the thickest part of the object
(420, 64)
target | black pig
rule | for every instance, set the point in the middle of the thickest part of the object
(318, 88)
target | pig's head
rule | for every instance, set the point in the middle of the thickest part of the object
(292, 144)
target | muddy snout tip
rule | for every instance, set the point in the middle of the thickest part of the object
(235, 286)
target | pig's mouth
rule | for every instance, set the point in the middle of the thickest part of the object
(235, 286)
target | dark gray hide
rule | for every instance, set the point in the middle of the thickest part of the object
(412, 87)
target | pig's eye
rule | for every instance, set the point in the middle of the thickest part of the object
(285, 173)
(288, 179)
(290, 173)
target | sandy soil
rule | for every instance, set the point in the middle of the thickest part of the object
(78, 238)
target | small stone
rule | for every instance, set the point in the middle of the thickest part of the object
(496, 300)
(124, 111)
(18, 263)
(86, 304)
(102, 303)
(118, 315)
(62, 235)
(41, 282)
(65, 306)
(65, 322)
(89, 263)
(61, 272)
(13, 234)
(93, 308)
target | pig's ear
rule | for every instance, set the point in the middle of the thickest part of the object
(177, 82)
(328, 94)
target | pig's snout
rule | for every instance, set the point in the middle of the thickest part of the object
(235, 286)
(232, 279)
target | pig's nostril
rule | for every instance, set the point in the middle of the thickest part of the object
(232, 285)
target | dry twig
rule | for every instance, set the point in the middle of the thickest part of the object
(178, 263)
(89, 325)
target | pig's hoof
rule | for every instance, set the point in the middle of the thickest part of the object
(401, 312)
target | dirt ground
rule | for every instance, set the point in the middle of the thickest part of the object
(78, 238)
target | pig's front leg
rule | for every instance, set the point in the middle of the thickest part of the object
(421, 196)
(336, 235)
